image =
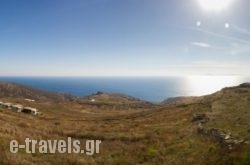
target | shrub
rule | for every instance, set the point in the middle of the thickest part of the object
(245, 160)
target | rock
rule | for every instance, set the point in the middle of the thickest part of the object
(227, 136)
(229, 141)
(238, 141)
(99, 93)
(200, 117)
(224, 139)
(245, 85)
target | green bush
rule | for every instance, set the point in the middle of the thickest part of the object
(245, 160)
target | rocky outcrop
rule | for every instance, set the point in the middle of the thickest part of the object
(182, 100)
(114, 101)
(202, 118)
(14, 90)
(245, 85)
(224, 138)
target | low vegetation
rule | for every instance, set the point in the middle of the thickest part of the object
(133, 131)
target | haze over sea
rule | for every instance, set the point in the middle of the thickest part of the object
(153, 89)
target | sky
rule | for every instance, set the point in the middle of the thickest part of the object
(124, 38)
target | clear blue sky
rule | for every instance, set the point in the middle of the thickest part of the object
(123, 38)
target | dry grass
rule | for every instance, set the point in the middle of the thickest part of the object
(161, 135)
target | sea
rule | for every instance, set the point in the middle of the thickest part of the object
(153, 89)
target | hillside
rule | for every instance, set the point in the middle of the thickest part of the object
(212, 129)
(14, 90)
(181, 100)
(99, 100)
(114, 101)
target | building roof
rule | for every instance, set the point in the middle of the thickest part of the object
(8, 104)
(29, 108)
(17, 106)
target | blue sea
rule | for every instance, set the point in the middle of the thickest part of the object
(154, 89)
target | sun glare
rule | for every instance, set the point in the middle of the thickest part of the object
(203, 85)
(216, 5)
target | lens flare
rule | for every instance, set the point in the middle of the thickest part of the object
(216, 5)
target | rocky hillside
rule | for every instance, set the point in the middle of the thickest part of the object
(228, 112)
(181, 100)
(223, 117)
(19, 91)
(115, 100)
(99, 99)
(208, 130)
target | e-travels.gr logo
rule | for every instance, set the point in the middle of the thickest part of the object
(53, 146)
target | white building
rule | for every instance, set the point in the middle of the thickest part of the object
(30, 110)
(7, 105)
(30, 100)
(17, 108)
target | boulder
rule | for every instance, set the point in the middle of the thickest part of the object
(200, 117)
